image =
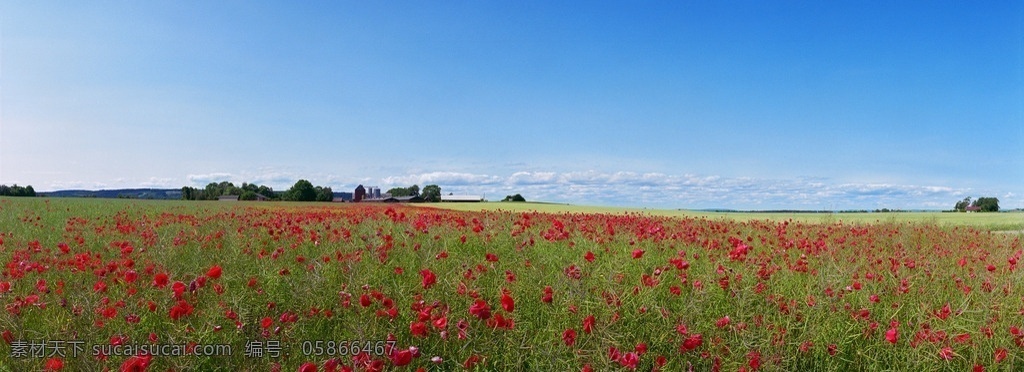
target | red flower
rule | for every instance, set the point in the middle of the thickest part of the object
(891, 335)
(471, 361)
(180, 309)
(492, 257)
(507, 302)
(569, 337)
(137, 363)
(637, 253)
(588, 324)
(160, 280)
(589, 256)
(1000, 354)
(214, 273)
(178, 288)
(308, 367)
(724, 321)
(547, 296)
(401, 358)
(480, 309)
(429, 278)
(754, 360)
(53, 364)
(691, 343)
(629, 360)
(946, 353)
(418, 329)
(266, 322)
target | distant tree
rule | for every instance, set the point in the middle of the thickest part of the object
(432, 193)
(247, 195)
(324, 194)
(15, 190)
(961, 206)
(989, 204)
(302, 191)
(514, 198)
(398, 191)
(266, 191)
(187, 193)
(414, 190)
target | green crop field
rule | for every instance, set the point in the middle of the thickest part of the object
(1005, 221)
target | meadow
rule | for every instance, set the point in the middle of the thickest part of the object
(1005, 221)
(90, 284)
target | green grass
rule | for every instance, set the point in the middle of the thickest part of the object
(1004, 221)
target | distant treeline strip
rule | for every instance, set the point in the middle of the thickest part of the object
(16, 190)
(302, 191)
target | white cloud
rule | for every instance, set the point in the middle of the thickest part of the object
(204, 179)
(687, 190)
(157, 182)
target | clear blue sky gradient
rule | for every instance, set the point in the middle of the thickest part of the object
(747, 105)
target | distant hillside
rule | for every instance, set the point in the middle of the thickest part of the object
(116, 193)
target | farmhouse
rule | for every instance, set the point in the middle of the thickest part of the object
(972, 209)
(461, 198)
(228, 198)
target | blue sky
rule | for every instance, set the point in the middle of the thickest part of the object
(747, 105)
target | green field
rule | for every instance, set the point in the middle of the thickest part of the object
(142, 284)
(1005, 221)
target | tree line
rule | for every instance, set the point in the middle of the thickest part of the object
(983, 204)
(15, 190)
(303, 190)
(430, 193)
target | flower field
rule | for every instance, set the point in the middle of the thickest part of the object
(139, 285)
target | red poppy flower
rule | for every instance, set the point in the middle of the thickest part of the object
(429, 279)
(569, 337)
(160, 280)
(214, 272)
(691, 343)
(401, 358)
(136, 363)
(180, 309)
(480, 309)
(53, 364)
(637, 253)
(507, 302)
(892, 335)
(308, 367)
(588, 324)
(418, 329)
(1000, 354)
(946, 353)
(629, 360)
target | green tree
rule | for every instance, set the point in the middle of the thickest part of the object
(302, 191)
(961, 206)
(987, 204)
(514, 198)
(324, 194)
(398, 191)
(432, 193)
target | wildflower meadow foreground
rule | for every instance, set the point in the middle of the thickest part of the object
(148, 285)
